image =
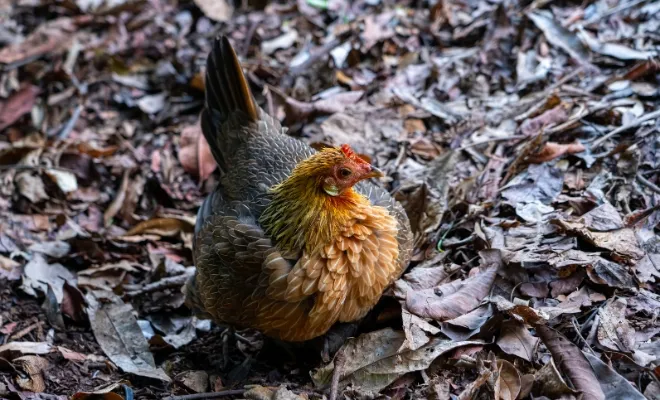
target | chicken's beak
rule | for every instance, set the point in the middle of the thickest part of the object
(374, 173)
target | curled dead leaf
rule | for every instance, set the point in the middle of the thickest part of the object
(33, 366)
(195, 154)
(456, 298)
(507, 384)
(18, 104)
(162, 227)
(552, 150)
(572, 362)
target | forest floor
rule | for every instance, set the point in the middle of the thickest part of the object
(522, 138)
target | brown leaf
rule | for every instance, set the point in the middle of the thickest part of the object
(103, 392)
(549, 381)
(554, 116)
(614, 331)
(33, 366)
(38, 275)
(96, 152)
(614, 385)
(73, 303)
(17, 105)
(572, 362)
(118, 202)
(376, 29)
(217, 10)
(416, 330)
(470, 324)
(9, 269)
(515, 339)
(603, 218)
(117, 332)
(374, 360)
(455, 298)
(71, 355)
(46, 38)
(195, 154)
(622, 242)
(162, 227)
(507, 384)
(197, 381)
(553, 150)
(559, 36)
(606, 272)
(30, 185)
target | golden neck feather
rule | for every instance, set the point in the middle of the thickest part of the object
(301, 216)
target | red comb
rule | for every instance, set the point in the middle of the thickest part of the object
(348, 152)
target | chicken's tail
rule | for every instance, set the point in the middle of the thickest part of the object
(229, 102)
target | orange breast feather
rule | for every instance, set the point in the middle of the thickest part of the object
(339, 281)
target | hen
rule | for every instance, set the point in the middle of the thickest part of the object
(292, 240)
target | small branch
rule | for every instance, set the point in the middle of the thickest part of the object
(211, 395)
(648, 183)
(166, 283)
(334, 385)
(652, 115)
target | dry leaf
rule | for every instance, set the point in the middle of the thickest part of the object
(217, 10)
(65, 180)
(553, 150)
(118, 202)
(515, 339)
(458, 297)
(162, 227)
(613, 384)
(120, 337)
(372, 361)
(536, 125)
(33, 366)
(572, 362)
(195, 154)
(39, 275)
(197, 381)
(559, 36)
(9, 269)
(12, 350)
(507, 384)
(614, 331)
(17, 105)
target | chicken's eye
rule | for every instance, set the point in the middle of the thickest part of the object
(345, 172)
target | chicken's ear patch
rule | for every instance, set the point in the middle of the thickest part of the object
(349, 153)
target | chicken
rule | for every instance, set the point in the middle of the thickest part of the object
(292, 240)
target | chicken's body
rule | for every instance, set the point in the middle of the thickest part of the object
(277, 248)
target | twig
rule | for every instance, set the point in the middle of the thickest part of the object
(25, 331)
(614, 10)
(648, 183)
(248, 37)
(492, 140)
(334, 385)
(166, 283)
(66, 130)
(652, 115)
(211, 395)
(20, 167)
(578, 331)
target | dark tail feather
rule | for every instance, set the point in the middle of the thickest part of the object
(227, 96)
